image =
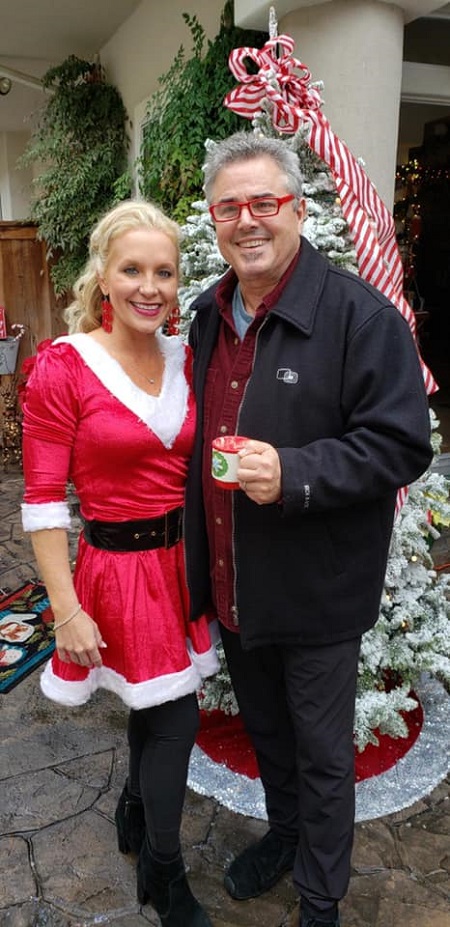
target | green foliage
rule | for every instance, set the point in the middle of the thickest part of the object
(188, 109)
(80, 148)
(122, 188)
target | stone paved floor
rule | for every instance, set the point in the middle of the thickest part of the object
(61, 773)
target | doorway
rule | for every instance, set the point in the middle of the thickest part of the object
(422, 217)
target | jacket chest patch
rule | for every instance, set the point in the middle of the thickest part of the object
(287, 375)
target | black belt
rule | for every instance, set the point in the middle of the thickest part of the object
(142, 534)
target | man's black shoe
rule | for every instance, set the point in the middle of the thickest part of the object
(259, 867)
(309, 917)
(307, 921)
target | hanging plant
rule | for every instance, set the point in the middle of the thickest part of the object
(185, 111)
(80, 147)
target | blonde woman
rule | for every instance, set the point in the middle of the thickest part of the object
(110, 408)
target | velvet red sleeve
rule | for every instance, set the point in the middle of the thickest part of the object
(51, 412)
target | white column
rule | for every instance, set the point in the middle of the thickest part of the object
(254, 14)
(355, 47)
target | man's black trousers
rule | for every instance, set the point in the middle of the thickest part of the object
(297, 705)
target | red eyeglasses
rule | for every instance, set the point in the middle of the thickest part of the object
(259, 208)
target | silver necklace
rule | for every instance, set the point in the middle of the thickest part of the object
(151, 380)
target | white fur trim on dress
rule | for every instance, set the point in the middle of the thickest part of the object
(165, 413)
(206, 663)
(36, 516)
(134, 695)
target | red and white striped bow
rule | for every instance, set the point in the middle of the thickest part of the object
(295, 92)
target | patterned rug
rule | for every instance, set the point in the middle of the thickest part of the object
(26, 638)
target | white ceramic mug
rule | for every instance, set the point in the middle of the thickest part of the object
(225, 460)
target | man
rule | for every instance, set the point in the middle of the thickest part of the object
(321, 373)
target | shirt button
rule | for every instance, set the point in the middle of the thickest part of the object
(218, 521)
(223, 429)
(234, 384)
(236, 340)
(220, 562)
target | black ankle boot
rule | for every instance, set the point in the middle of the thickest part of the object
(166, 887)
(130, 823)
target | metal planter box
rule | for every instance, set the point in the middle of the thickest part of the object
(9, 349)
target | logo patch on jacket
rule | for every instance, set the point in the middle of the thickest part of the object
(287, 375)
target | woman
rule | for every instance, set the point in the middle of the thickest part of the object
(110, 407)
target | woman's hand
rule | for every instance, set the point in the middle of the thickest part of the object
(79, 641)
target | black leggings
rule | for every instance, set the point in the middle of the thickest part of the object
(160, 740)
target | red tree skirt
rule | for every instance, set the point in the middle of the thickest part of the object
(223, 739)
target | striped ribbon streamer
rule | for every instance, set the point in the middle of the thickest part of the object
(296, 101)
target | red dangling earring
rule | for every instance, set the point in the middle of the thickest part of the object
(107, 314)
(173, 321)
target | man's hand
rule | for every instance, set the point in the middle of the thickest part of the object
(259, 472)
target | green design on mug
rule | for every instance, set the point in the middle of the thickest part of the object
(219, 465)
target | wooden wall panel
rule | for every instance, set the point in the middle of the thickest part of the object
(27, 294)
(25, 286)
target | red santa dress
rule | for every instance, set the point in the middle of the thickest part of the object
(127, 454)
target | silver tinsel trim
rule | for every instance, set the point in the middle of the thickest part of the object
(415, 775)
(421, 769)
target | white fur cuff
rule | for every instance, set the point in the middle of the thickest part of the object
(41, 515)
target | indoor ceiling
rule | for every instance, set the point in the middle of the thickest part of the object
(36, 34)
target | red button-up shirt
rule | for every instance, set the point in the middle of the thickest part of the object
(229, 369)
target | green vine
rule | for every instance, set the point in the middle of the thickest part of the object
(186, 110)
(80, 147)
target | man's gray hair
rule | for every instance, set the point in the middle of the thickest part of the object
(244, 146)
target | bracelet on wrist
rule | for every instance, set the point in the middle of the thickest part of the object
(60, 624)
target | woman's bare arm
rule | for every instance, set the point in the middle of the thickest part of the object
(78, 640)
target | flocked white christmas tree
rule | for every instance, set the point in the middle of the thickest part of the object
(412, 634)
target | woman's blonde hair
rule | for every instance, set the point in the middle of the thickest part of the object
(85, 312)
